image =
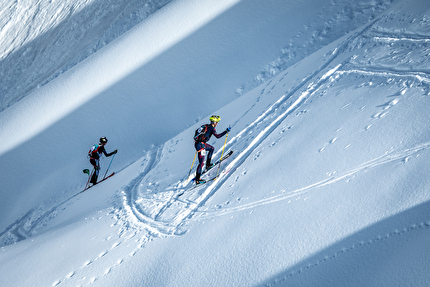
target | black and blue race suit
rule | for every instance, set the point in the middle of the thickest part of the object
(95, 161)
(204, 149)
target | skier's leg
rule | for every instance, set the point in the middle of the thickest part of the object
(201, 157)
(96, 165)
(209, 149)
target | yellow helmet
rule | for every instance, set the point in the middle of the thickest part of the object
(215, 119)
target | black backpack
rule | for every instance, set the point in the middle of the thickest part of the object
(200, 134)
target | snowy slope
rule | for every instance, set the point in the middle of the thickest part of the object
(151, 84)
(327, 185)
(42, 39)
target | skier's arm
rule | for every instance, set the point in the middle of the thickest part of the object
(218, 135)
(109, 154)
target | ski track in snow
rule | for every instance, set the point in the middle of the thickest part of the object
(266, 123)
(27, 225)
(168, 219)
(204, 193)
(174, 225)
(169, 216)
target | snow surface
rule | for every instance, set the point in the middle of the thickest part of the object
(328, 102)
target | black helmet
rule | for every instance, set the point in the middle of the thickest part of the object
(103, 140)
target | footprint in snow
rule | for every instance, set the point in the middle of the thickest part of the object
(102, 254)
(70, 275)
(115, 245)
(332, 141)
(385, 108)
(87, 263)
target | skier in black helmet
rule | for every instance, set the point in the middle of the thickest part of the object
(202, 135)
(94, 154)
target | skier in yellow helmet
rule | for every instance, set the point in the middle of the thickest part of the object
(202, 135)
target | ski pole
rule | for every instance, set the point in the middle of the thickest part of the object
(222, 153)
(192, 165)
(109, 165)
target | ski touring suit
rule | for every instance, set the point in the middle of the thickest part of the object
(204, 149)
(95, 153)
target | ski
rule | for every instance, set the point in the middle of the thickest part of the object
(203, 183)
(99, 181)
(198, 185)
(211, 179)
(216, 163)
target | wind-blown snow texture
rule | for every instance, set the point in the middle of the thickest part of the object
(328, 184)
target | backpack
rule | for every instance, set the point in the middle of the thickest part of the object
(93, 149)
(200, 133)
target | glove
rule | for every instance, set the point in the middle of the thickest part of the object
(228, 129)
(115, 151)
